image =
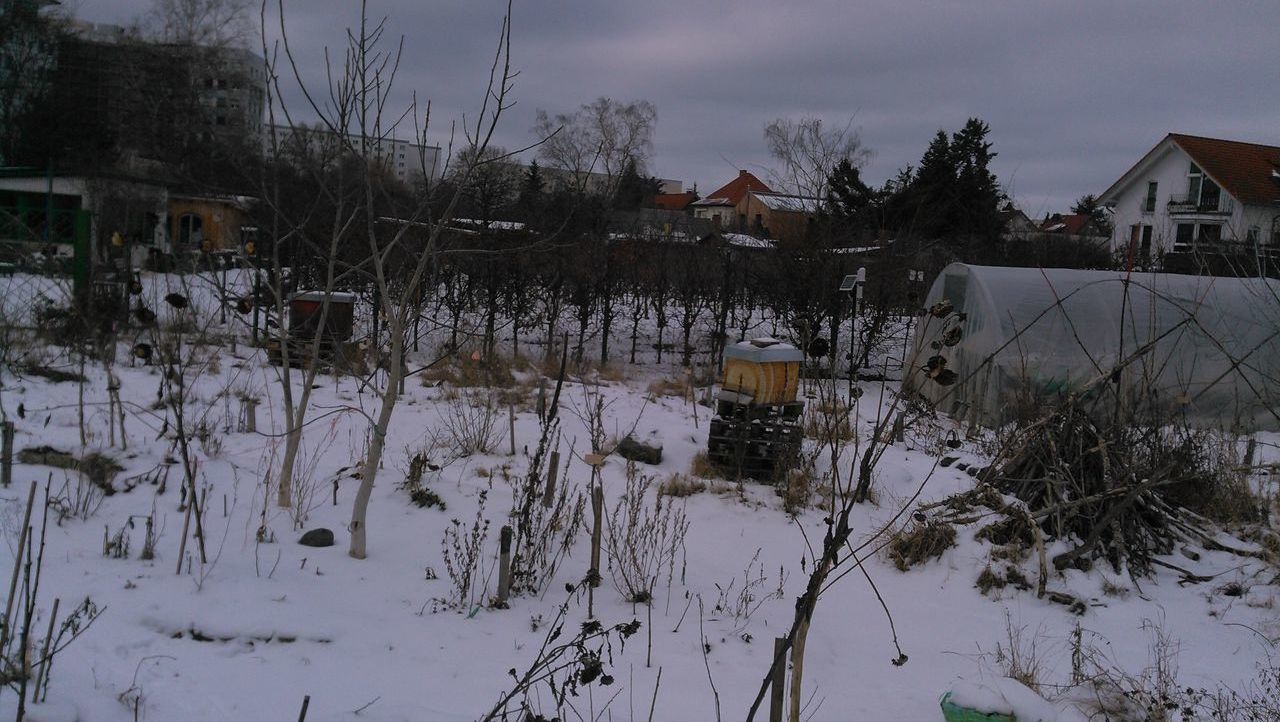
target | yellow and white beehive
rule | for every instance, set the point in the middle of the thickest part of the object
(760, 371)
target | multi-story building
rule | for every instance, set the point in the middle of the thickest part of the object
(1192, 195)
(408, 161)
(117, 102)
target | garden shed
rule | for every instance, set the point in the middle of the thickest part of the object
(1200, 348)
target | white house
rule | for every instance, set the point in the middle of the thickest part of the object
(1191, 193)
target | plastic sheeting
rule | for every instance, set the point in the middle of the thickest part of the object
(1204, 349)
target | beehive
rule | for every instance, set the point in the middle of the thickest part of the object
(304, 315)
(761, 371)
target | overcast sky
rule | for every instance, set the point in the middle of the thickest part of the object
(1074, 92)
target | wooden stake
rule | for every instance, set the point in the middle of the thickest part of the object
(42, 674)
(553, 468)
(6, 453)
(17, 565)
(251, 416)
(776, 686)
(511, 416)
(797, 669)
(182, 545)
(504, 565)
(597, 523)
(306, 702)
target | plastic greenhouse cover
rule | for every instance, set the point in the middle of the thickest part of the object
(1205, 348)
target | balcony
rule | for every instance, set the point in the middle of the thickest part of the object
(1186, 205)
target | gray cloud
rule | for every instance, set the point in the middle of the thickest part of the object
(1074, 92)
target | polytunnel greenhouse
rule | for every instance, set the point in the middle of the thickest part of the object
(1165, 347)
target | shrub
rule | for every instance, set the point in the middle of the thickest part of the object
(643, 538)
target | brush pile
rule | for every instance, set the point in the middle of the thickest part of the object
(1122, 493)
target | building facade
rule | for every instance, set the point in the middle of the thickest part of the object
(1191, 194)
(409, 162)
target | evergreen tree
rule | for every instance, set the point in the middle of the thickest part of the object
(976, 209)
(932, 192)
(634, 190)
(531, 199)
(848, 198)
(1088, 205)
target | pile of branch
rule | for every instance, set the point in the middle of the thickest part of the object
(1122, 493)
(1119, 492)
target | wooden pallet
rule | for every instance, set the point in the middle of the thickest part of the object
(333, 355)
(756, 442)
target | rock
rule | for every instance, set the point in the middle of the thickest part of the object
(645, 453)
(317, 538)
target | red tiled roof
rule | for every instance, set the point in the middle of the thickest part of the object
(1245, 170)
(674, 201)
(734, 190)
(1071, 224)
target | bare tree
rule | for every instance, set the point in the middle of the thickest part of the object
(401, 236)
(208, 23)
(27, 57)
(602, 138)
(807, 152)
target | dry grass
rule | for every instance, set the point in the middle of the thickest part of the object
(1009, 575)
(681, 485)
(667, 387)
(702, 468)
(919, 542)
(829, 421)
(798, 490)
(465, 373)
(1114, 589)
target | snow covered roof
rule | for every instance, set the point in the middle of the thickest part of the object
(495, 225)
(744, 240)
(712, 202)
(762, 350)
(789, 203)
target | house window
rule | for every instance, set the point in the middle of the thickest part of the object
(1144, 247)
(1210, 233)
(1149, 203)
(1186, 234)
(1202, 192)
(190, 229)
(1252, 235)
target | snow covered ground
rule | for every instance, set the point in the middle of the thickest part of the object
(261, 625)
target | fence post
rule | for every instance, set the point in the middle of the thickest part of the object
(504, 565)
(6, 454)
(511, 420)
(597, 522)
(779, 679)
(553, 468)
